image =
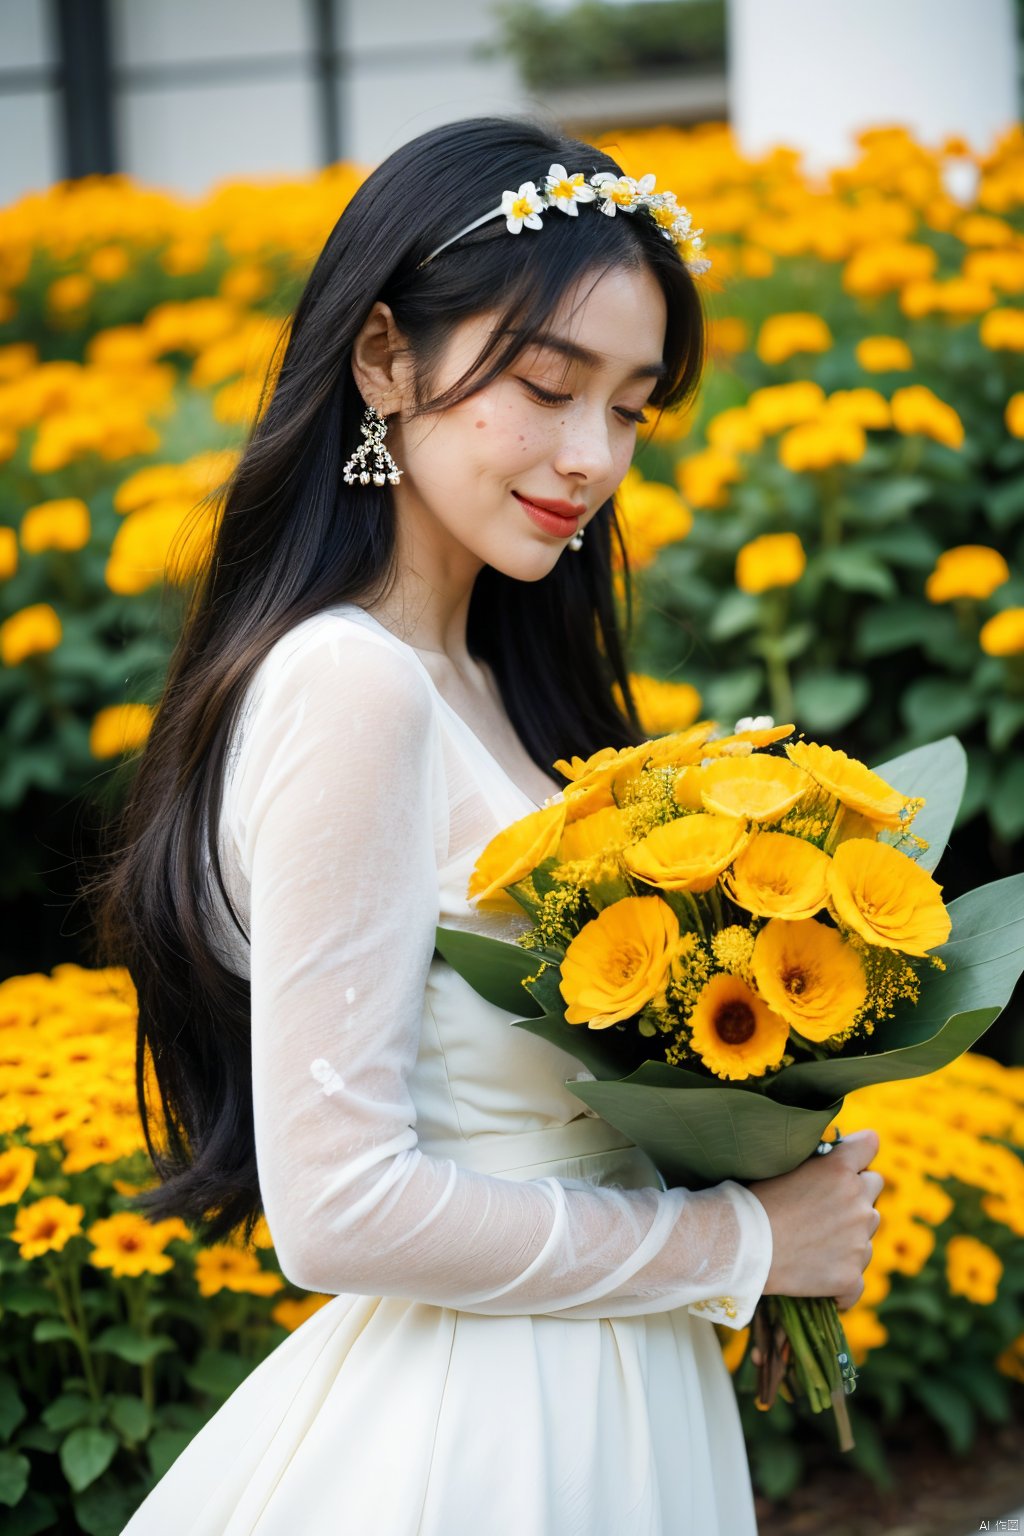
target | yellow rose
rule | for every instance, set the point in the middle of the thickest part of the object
(687, 854)
(761, 787)
(885, 897)
(779, 876)
(854, 785)
(809, 976)
(618, 961)
(514, 854)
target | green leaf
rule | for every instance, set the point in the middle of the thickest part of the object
(25, 1299)
(824, 701)
(49, 1328)
(492, 967)
(734, 693)
(856, 570)
(217, 1372)
(899, 625)
(736, 612)
(128, 1344)
(67, 1411)
(940, 705)
(907, 544)
(1006, 804)
(1005, 719)
(14, 1470)
(949, 1408)
(106, 1507)
(129, 1416)
(164, 1447)
(889, 499)
(35, 1514)
(12, 1409)
(938, 774)
(1004, 505)
(777, 1467)
(86, 1454)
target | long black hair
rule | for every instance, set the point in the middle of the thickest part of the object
(292, 539)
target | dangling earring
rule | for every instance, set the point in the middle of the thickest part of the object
(373, 427)
(576, 542)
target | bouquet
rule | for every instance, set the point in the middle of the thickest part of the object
(731, 932)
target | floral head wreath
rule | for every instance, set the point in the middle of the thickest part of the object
(612, 194)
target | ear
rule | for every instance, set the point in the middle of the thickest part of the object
(381, 361)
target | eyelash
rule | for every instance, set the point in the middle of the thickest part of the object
(545, 398)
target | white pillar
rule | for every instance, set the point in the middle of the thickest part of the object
(809, 74)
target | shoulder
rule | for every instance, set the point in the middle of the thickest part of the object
(336, 662)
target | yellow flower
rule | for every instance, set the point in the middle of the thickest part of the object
(916, 410)
(513, 854)
(1010, 1361)
(778, 406)
(687, 854)
(771, 560)
(733, 1032)
(128, 1244)
(734, 431)
(650, 515)
(618, 961)
(55, 525)
(8, 553)
(46, 1225)
(109, 263)
(885, 897)
(905, 1246)
(1002, 330)
(808, 975)
(119, 728)
(833, 438)
(883, 354)
(1003, 633)
(760, 787)
(864, 1331)
(17, 1166)
(223, 1266)
(703, 477)
(734, 1347)
(741, 743)
(864, 406)
(595, 834)
(779, 876)
(29, 632)
(1013, 415)
(662, 706)
(973, 1269)
(100, 1141)
(782, 336)
(292, 1314)
(969, 570)
(853, 784)
(68, 294)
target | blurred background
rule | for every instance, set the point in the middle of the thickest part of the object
(833, 534)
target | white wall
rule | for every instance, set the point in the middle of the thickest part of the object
(810, 73)
(29, 122)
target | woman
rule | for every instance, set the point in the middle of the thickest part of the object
(400, 629)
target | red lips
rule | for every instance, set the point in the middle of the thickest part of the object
(559, 508)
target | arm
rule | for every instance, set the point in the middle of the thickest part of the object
(339, 814)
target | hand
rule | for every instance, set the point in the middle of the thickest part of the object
(823, 1217)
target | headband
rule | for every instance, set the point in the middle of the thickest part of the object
(612, 194)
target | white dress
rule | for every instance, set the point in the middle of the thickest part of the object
(520, 1339)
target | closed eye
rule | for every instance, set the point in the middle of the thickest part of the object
(546, 398)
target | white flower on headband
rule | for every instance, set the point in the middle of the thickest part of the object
(622, 192)
(610, 193)
(522, 207)
(565, 191)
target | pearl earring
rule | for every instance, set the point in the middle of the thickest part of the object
(576, 542)
(373, 428)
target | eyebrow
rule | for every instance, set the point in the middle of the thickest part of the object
(577, 354)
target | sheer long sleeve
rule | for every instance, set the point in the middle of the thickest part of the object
(334, 820)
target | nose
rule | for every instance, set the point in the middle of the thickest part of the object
(585, 450)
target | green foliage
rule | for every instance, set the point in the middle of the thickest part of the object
(605, 41)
